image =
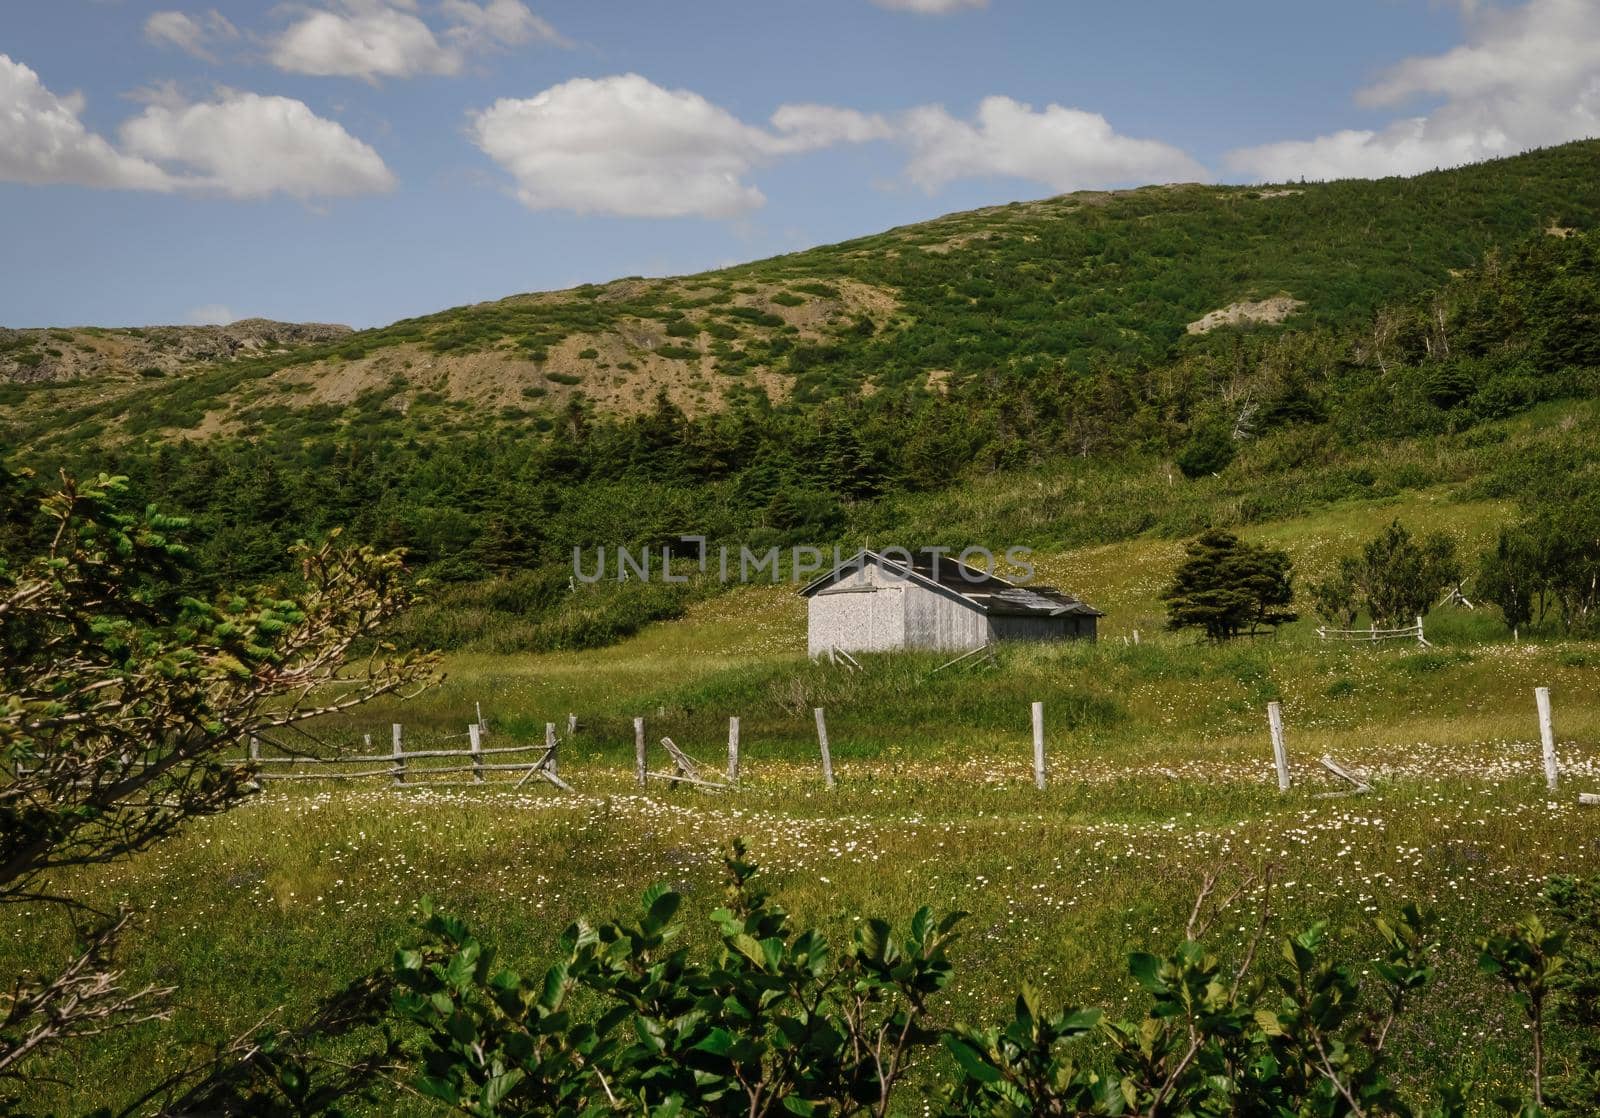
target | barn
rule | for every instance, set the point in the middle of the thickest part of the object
(870, 603)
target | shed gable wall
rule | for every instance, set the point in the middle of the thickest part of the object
(862, 612)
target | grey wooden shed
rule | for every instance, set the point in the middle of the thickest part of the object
(874, 603)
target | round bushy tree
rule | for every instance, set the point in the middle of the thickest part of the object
(1208, 451)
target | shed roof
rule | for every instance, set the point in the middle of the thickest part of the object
(988, 592)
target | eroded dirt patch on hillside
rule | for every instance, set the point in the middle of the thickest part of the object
(1268, 311)
(619, 370)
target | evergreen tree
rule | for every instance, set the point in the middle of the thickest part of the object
(1226, 587)
(659, 439)
(852, 467)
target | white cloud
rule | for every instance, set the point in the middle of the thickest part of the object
(162, 92)
(497, 23)
(1407, 147)
(373, 39)
(43, 141)
(807, 127)
(1549, 45)
(1528, 76)
(1064, 149)
(241, 145)
(212, 314)
(623, 145)
(245, 145)
(930, 7)
(368, 40)
(189, 34)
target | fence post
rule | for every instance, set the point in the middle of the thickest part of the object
(399, 756)
(822, 742)
(476, 747)
(1547, 737)
(1280, 753)
(638, 751)
(1038, 746)
(550, 746)
(733, 750)
(255, 748)
(482, 725)
(572, 725)
(366, 741)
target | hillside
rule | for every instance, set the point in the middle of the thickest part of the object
(1445, 375)
(1059, 430)
(1065, 283)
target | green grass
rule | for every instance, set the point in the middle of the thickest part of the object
(1161, 771)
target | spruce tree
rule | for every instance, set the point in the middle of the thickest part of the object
(1226, 587)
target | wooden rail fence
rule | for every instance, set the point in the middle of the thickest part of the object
(1373, 633)
(478, 765)
(473, 765)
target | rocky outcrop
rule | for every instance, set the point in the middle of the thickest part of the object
(89, 353)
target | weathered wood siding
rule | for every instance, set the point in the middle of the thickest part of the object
(943, 621)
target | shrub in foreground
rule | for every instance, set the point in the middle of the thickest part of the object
(774, 1019)
(122, 706)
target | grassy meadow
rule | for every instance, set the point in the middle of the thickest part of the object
(1160, 772)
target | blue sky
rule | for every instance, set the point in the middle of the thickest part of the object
(360, 161)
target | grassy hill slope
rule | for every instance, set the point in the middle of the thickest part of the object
(1066, 282)
(1026, 438)
(1067, 395)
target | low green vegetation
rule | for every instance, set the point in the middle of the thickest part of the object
(778, 1021)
